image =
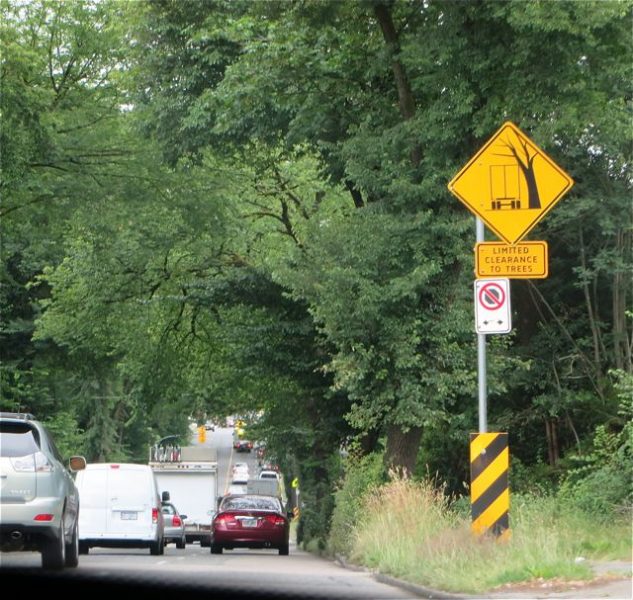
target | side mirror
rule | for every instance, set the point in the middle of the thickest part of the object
(183, 517)
(165, 497)
(77, 463)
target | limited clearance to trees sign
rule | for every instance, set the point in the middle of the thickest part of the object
(510, 184)
(526, 260)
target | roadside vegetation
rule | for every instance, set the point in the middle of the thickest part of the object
(413, 530)
(409, 530)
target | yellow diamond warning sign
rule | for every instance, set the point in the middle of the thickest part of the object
(510, 184)
(526, 260)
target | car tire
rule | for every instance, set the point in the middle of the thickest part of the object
(84, 548)
(216, 549)
(284, 550)
(54, 551)
(180, 544)
(157, 548)
(72, 549)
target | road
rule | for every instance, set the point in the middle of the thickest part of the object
(235, 573)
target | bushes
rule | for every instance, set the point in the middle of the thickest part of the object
(408, 529)
(361, 476)
(601, 482)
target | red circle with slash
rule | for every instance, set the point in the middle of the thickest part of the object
(492, 296)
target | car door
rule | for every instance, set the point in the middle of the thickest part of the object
(67, 483)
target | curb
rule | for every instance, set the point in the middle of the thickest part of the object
(414, 588)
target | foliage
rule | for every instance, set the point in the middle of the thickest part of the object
(362, 475)
(68, 436)
(600, 482)
(431, 544)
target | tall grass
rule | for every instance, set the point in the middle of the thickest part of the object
(409, 531)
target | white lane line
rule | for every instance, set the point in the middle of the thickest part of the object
(227, 481)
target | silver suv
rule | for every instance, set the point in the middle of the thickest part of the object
(39, 504)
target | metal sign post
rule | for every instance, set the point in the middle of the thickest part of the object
(481, 356)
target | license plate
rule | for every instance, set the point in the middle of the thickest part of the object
(128, 515)
(249, 522)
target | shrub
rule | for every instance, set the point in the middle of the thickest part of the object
(361, 476)
(601, 482)
(408, 529)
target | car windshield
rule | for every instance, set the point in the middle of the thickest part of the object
(168, 509)
(251, 503)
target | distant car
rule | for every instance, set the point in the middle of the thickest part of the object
(208, 426)
(267, 474)
(240, 475)
(174, 525)
(250, 521)
(39, 503)
(243, 445)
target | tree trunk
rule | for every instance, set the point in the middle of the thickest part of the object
(402, 449)
(356, 195)
(591, 312)
(369, 442)
(406, 99)
(552, 441)
(622, 341)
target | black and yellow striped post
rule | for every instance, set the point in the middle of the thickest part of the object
(489, 493)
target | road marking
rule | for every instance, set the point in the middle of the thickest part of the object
(228, 479)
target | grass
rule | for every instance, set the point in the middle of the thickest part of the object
(409, 531)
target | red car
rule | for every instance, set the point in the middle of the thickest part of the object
(250, 521)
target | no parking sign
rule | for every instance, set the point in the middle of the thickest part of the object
(492, 306)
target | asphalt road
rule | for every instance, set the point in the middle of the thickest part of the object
(235, 573)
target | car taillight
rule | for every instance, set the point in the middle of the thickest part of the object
(43, 517)
(154, 515)
(275, 520)
(226, 520)
(32, 463)
(176, 521)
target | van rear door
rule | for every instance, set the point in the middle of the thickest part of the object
(130, 502)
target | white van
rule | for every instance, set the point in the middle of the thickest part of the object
(120, 507)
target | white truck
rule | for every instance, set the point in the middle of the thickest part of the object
(190, 475)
